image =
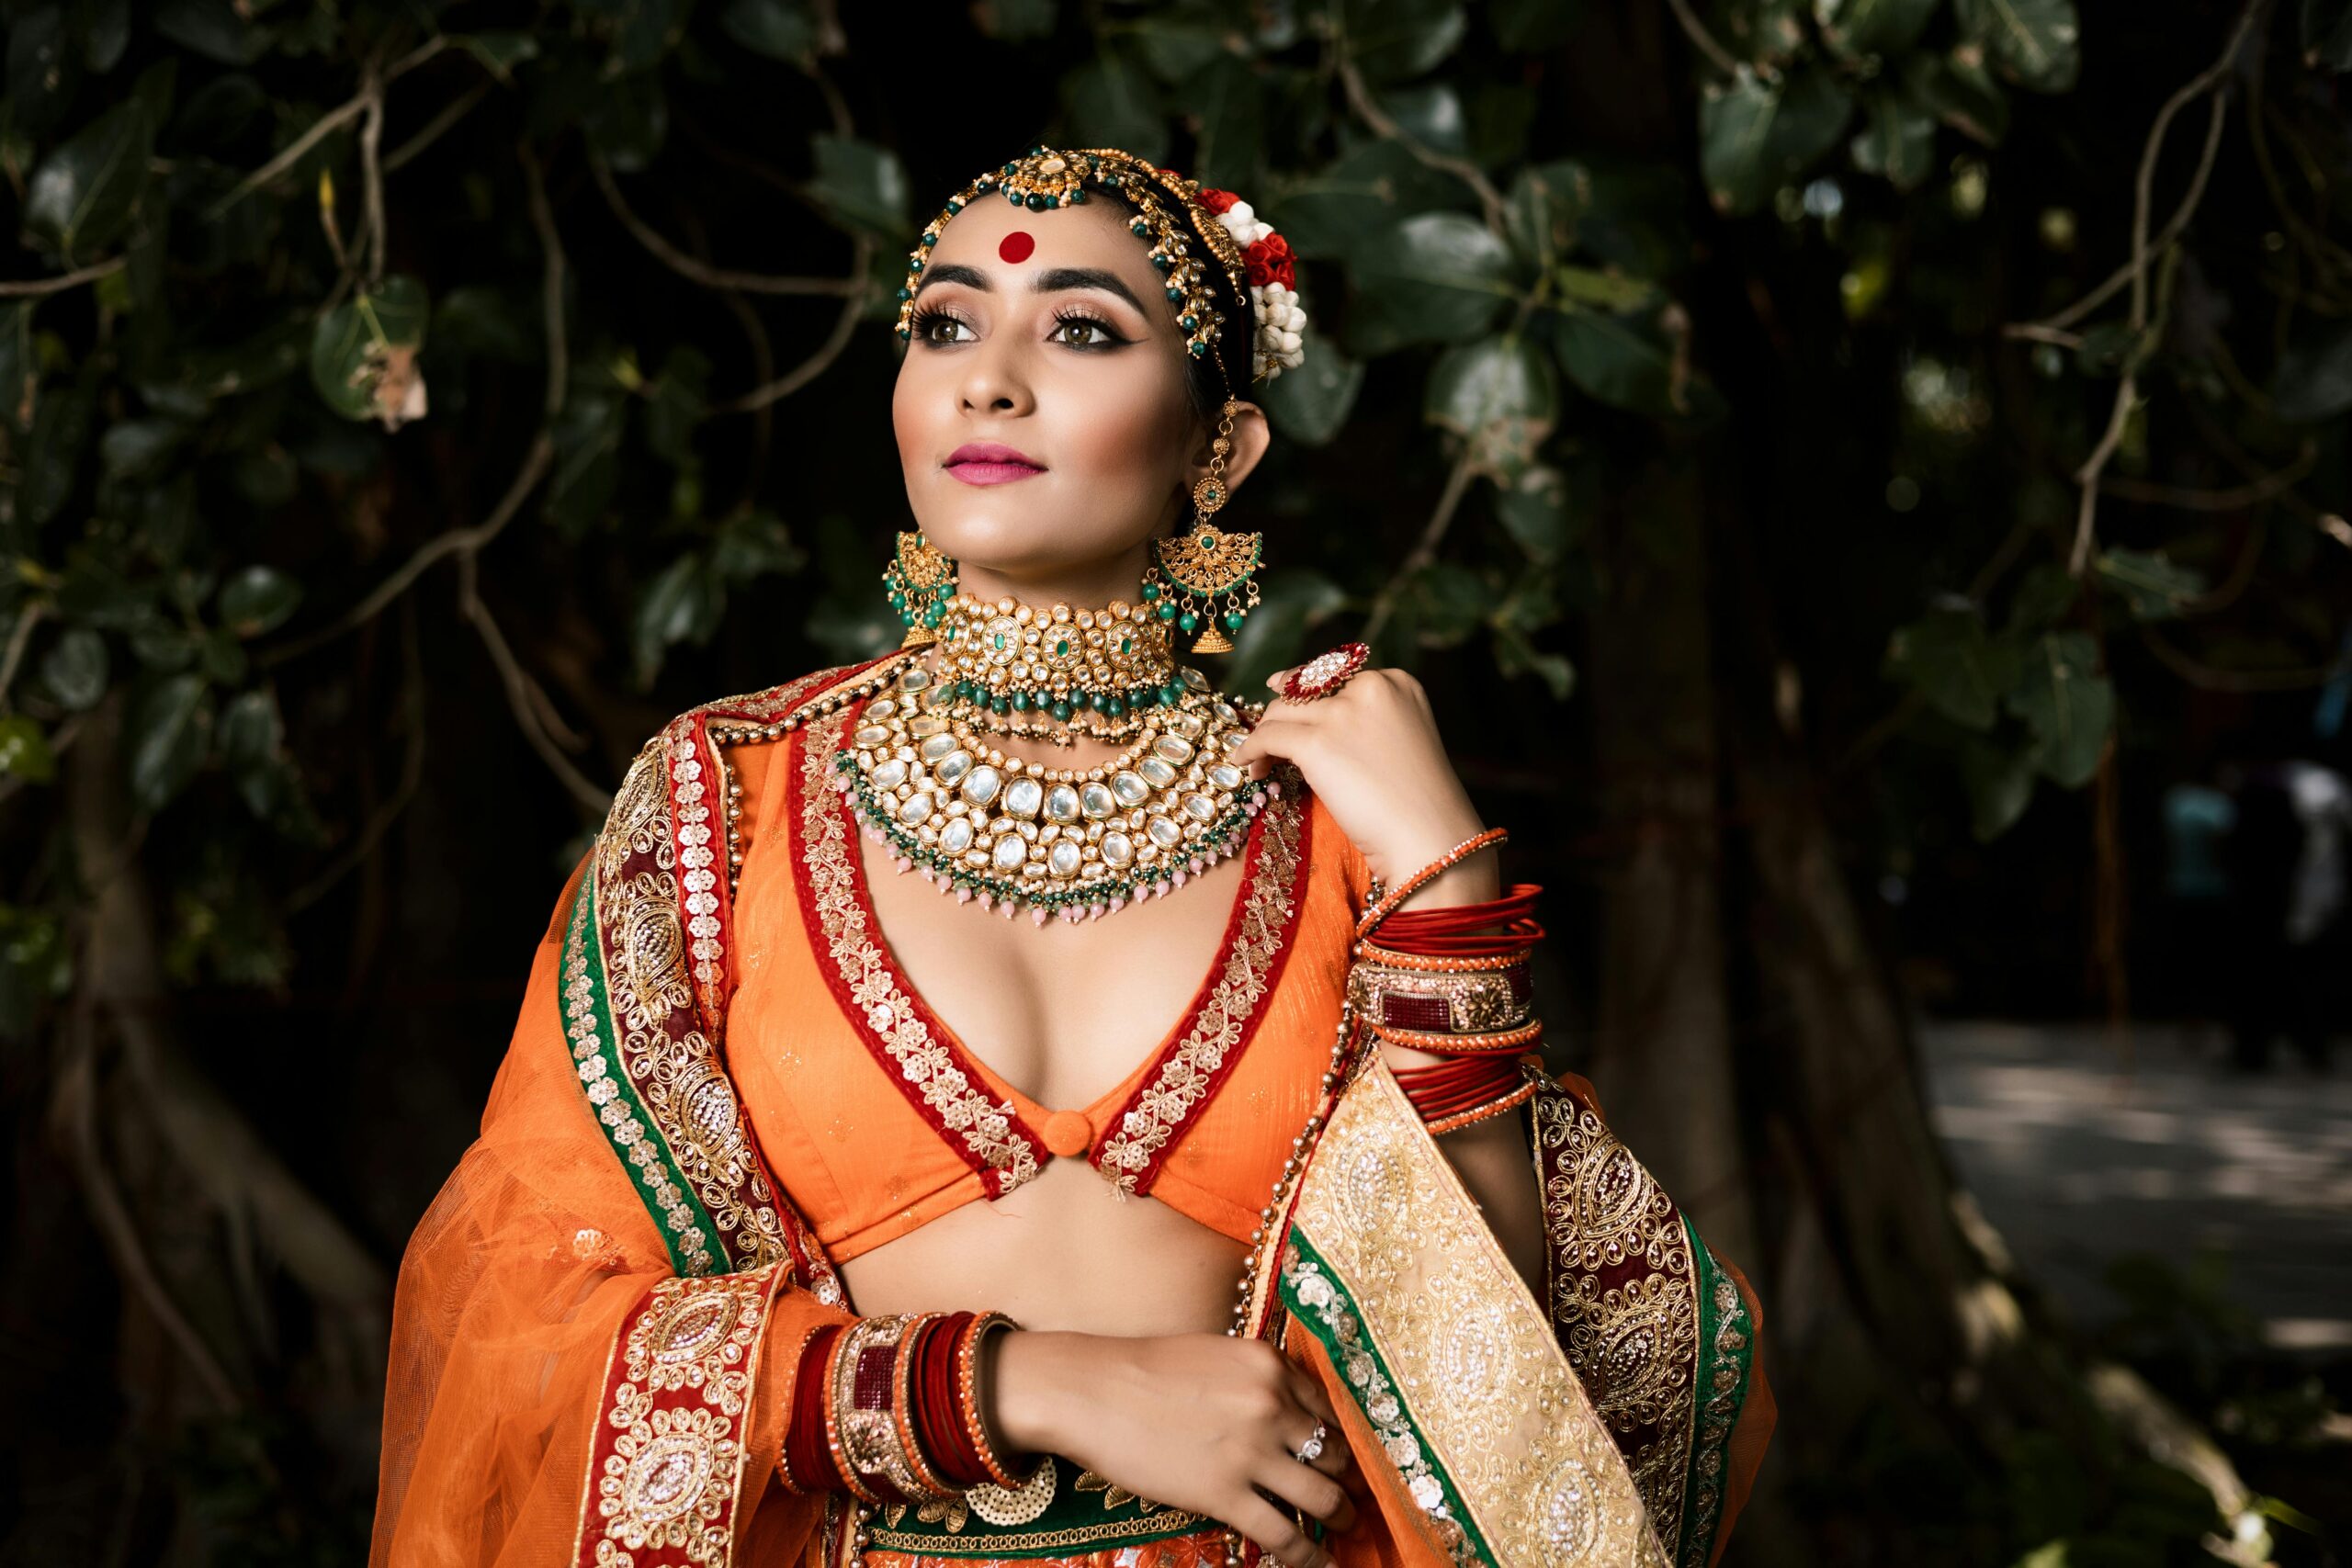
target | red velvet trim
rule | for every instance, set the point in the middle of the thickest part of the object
(1294, 801)
(796, 805)
(807, 1460)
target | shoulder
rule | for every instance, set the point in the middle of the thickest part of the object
(773, 711)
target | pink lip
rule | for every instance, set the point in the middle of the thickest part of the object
(990, 463)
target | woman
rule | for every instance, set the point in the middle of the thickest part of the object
(816, 1215)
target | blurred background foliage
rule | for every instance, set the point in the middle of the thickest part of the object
(1832, 459)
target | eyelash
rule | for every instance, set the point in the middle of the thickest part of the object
(925, 318)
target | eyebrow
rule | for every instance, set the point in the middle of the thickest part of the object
(1046, 282)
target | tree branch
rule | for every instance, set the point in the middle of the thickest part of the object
(1359, 98)
(686, 267)
(22, 289)
(1424, 550)
(844, 327)
(1703, 41)
(520, 690)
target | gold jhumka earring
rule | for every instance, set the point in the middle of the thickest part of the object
(1210, 574)
(922, 580)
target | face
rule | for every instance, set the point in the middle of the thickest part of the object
(1042, 419)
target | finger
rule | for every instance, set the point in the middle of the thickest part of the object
(1308, 1489)
(1335, 1458)
(1268, 1526)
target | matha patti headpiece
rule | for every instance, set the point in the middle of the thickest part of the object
(1169, 210)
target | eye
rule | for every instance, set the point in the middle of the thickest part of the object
(924, 321)
(1104, 337)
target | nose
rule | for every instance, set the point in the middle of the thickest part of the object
(995, 379)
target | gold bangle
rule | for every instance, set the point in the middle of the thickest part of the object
(854, 1483)
(862, 1410)
(1484, 1044)
(1442, 1001)
(968, 1390)
(1387, 903)
(1478, 1113)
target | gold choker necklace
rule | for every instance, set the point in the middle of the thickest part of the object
(1010, 658)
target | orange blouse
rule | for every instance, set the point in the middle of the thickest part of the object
(841, 1063)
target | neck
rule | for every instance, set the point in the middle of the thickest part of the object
(1082, 585)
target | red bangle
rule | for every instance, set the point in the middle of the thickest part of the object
(904, 1405)
(1387, 906)
(1461, 1119)
(1445, 1089)
(807, 1460)
(939, 1416)
(1516, 902)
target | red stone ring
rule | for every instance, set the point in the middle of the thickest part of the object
(1325, 673)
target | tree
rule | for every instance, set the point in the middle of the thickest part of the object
(1878, 408)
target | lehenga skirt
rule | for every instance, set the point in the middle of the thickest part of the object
(1063, 1514)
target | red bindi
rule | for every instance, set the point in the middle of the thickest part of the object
(1016, 246)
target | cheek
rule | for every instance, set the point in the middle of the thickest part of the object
(1123, 429)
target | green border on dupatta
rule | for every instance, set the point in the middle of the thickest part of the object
(1726, 1349)
(1318, 1297)
(685, 1225)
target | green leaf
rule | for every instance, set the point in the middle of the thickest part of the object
(214, 30)
(106, 32)
(2067, 703)
(1530, 27)
(2314, 378)
(1999, 781)
(168, 727)
(1224, 98)
(1109, 103)
(1960, 92)
(363, 351)
(682, 603)
(2327, 34)
(1177, 41)
(1949, 658)
(1430, 113)
(252, 747)
(1756, 136)
(1540, 211)
(52, 455)
(1437, 277)
(1389, 40)
(499, 53)
(1295, 600)
(257, 600)
(1897, 139)
(1500, 395)
(587, 457)
(1443, 604)
(44, 68)
(629, 121)
(25, 751)
(85, 194)
(2036, 43)
(1309, 403)
(135, 450)
(1627, 361)
(773, 28)
(2150, 583)
(1858, 28)
(75, 671)
(1016, 21)
(866, 186)
(752, 545)
(674, 405)
(1534, 510)
(1514, 655)
(2042, 599)
(1339, 212)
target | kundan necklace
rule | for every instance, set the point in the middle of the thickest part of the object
(1077, 842)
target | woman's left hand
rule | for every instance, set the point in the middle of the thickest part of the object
(1370, 752)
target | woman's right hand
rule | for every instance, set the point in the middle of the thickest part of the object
(1200, 1421)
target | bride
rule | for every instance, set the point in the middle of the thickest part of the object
(1011, 1099)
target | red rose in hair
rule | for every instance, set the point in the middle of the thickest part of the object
(1217, 200)
(1269, 261)
(1260, 273)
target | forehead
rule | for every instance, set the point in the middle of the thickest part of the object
(1092, 235)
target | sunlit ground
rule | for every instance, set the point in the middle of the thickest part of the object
(2080, 1153)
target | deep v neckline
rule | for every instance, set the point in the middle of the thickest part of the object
(1000, 1129)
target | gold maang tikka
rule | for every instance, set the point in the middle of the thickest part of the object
(1211, 574)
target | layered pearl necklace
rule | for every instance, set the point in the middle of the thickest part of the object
(1013, 834)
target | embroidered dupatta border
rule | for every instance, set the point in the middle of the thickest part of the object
(1450, 1360)
(1727, 1340)
(665, 1472)
(655, 898)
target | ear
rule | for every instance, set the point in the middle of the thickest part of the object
(1250, 435)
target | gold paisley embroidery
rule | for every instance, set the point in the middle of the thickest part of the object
(1184, 1081)
(1635, 1340)
(1448, 1354)
(850, 943)
(669, 1460)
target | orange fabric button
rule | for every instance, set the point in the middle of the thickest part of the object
(1068, 1133)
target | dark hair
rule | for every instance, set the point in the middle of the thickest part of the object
(1236, 336)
